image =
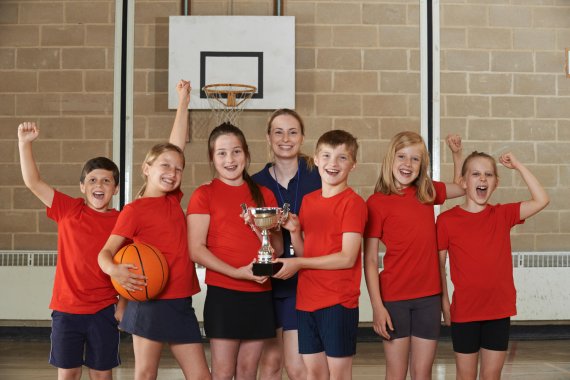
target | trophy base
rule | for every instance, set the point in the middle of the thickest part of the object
(266, 269)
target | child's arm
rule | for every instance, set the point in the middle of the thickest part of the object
(28, 132)
(294, 227)
(380, 316)
(351, 244)
(539, 196)
(179, 133)
(120, 272)
(454, 190)
(120, 310)
(198, 225)
(445, 304)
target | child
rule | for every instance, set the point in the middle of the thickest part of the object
(328, 257)
(238, 312)
(477, 237)
(84, 329)
(405, 297)
(290, 176)
(156, 218)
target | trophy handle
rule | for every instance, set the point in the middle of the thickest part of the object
(245, 210)
(284, 215)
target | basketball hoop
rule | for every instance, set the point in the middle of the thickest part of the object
(227, 100)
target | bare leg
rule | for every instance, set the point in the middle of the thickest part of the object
(69, 373)
(466, 366)
(422, 357)
(248, 359)
(340, 368)
(147, 357)
(492, 364)
(397, 352)
(317, 366)
(293, 361)
(224, 358)
(192, 360)
(100, 375)
(271, 363)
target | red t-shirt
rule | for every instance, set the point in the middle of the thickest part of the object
(324, 221)
(80, 287)
(479, 247)
(160, 222)
(407, 228)
(229, 238)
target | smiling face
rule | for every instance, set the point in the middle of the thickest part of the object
(335, 164)
(479, 180)
(99, 187)
(229, 159)
(285, 137)
(164, 174)
(407, 165)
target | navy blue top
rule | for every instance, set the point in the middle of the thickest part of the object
(309, 181)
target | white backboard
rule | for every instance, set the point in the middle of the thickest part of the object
(252, 50)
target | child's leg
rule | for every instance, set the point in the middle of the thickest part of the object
(248, 359)
(422, 356)
(466, 366)
(293, 361)
(192, 360)
(100, 375)
(224, 357)
(317, 366)
(396, 352)
(147, 357)
(425, 326)
(340, 368)
(492, 364)
(69, 373)
(271, 362)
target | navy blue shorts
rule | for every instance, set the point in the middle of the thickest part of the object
(332, 330)
(85, 339)
(169, 321)
(419, 317)
(470, 337)
(285, 313)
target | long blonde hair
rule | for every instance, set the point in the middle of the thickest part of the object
(153, 154)
(387, 183)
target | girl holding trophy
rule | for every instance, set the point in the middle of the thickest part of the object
(290, 176)
(238, 311)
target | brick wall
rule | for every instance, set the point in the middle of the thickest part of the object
(357, 68)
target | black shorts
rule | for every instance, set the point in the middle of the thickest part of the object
(285, 313)
(419, 317)
(233, 314)
(470, 337)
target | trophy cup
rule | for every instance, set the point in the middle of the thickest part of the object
(266, 218)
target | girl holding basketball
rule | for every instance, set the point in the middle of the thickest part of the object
(238, 311)
(156, 218)
(477, 237)
(406, 296)
(290, 176)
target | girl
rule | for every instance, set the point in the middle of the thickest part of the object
(238, 312)
(477, 237)
(405, 298)
(157, 219)
(290, 176)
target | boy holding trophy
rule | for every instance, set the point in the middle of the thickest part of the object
(328, 261)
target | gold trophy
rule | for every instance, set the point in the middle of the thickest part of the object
(266, 218)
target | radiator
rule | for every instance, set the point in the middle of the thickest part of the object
(542, 281)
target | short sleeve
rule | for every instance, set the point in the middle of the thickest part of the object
(126, 225)
(61, 205)
(354, 219)
(199, 202)
(374, 225)
(442, 235)
(440, 192)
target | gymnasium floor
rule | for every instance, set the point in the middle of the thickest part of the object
(536, 360)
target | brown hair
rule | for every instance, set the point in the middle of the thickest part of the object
(100, 163)
(153, 154)
(336, 138)
(386, 182)
(230, 129)
(474, 155)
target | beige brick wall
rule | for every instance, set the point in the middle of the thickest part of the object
(357, 68)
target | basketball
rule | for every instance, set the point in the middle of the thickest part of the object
(150, 262)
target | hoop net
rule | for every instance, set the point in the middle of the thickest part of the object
(227, 100)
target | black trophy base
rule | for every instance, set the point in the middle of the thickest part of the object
(266, 269)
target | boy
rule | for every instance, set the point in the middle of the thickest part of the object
(84, 328)
(332, 220)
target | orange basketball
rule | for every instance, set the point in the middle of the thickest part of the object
(150, 263)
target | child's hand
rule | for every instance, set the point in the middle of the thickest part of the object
(292, 223)
(289, 268)
(381, 322)
(127, 279)
(183, 89)
(246, 273)
(454, 143)
(445, 310)
(509, 160)
(28, 132)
